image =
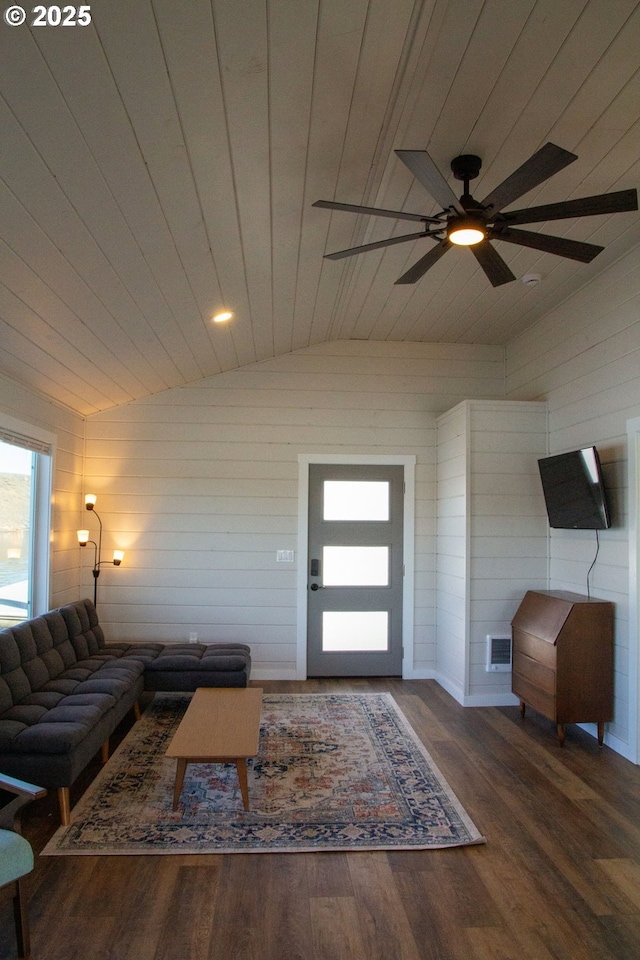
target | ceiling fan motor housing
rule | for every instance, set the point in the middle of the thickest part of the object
(466, 167)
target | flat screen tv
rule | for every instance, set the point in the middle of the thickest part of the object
(573, 490)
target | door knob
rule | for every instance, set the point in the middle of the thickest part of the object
(316, 586)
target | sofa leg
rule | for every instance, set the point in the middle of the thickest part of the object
(104, 751)
(136, 711)
(22, 921)
(65, 806)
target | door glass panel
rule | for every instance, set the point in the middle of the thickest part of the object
(347, 631)
(356, 500)
(355, 566)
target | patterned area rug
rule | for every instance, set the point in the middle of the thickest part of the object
(334, 772)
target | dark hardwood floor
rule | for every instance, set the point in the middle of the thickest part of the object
(558, 879)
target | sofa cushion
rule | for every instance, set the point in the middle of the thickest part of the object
(17, 684)
(143, 651)
(44, 698)
(54, 735)
(26, 713)
(83, 628)
(57, 717)
(204, 657)
(32, 655)
(63, 685)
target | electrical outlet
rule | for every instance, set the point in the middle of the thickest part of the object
(193, 637)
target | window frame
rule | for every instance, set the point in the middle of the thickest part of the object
(41, 443)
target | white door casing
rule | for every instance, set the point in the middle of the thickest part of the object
(633, 458)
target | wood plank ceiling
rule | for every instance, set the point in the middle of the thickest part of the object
(162, 162)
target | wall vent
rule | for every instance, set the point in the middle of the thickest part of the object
(498, 654)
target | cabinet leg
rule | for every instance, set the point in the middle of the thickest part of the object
(600, 733)
(560, 729)
(522, 708)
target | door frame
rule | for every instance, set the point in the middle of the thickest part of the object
(407, 461)
(633, 457)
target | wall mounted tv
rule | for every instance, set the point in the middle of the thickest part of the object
(573, 490)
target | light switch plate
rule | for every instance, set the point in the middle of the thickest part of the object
(284, 556)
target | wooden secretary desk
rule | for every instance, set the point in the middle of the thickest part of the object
(563, 658)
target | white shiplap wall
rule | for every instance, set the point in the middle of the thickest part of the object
(452, 575)
(492, 536)
(583, 358)
(507, 530)
(199, 485)
(22, 404)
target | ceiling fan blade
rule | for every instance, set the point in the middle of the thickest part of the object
(617, 202)
(534, 171)
(424, 169)
(425, 263)
(561, 246)
(374, 246)
(492, 263)
(374, 211)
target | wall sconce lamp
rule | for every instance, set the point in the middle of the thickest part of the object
(83, 540)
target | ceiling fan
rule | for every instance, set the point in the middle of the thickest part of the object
(467, 222)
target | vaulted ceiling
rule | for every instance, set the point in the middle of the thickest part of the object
(161, 163)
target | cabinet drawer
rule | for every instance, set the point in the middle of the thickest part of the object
(535, 648)
(540, 700)
(539, 675)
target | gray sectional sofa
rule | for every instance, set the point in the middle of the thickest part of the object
(63, 690)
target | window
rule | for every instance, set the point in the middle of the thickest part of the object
(25, 495)
(356, 500)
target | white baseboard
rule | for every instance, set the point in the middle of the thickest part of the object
(615, 743)
(258, 673)
(491, 700)
(503, 699)
(452, 688)
(409, 673)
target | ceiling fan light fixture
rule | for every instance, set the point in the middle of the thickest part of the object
(465, 231)
(466, 222)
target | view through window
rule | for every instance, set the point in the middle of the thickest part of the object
(25, 477)
(16, 523)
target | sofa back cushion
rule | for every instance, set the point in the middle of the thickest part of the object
(83, 629)
(38, 650)
(31, 653)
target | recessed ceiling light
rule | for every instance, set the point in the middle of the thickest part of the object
(223, 316)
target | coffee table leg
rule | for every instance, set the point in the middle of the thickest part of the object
(241, 767)
(180, 771)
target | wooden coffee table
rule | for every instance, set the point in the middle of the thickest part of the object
(221, 725)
